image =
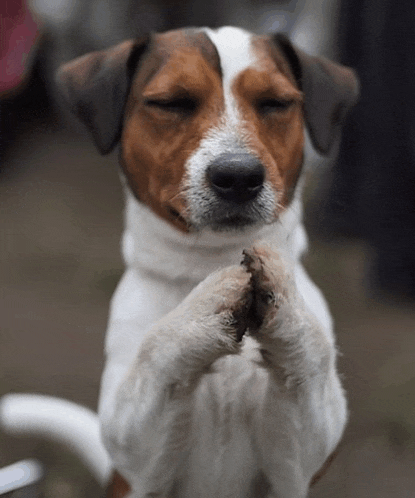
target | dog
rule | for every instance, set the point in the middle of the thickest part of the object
(220, 376)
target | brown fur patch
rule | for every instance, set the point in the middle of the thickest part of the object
(276, 137)
(156, 142)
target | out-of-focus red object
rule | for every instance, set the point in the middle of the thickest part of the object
(19, 31)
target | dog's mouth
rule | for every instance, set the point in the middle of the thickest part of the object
(224, 223)
(202, 209)
(232, 222)
(229, 217)
(177, 219)
(225, 219)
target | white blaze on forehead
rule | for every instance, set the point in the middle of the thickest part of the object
(234, 47)
(236, 54)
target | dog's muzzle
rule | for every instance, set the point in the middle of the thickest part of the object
(231, 193)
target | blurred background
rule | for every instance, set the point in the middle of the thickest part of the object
(61, 217)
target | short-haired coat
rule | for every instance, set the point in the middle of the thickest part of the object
(220, 377)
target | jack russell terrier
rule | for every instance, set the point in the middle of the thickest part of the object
(220, 377)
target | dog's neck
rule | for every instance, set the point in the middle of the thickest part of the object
(152, 246)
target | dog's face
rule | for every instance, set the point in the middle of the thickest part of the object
(213, 130)
(211, 122)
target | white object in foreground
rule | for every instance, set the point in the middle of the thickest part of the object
(59, 420)
(19, 475)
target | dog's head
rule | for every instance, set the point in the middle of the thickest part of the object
(210, 123)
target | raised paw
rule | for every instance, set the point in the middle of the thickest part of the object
(270, 283)
(225, 296)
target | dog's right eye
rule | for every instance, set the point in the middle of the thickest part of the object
(271, 105)
(180, 105)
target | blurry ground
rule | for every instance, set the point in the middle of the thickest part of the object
(60, 213)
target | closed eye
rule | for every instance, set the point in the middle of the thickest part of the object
(270, 105)
(179, 105)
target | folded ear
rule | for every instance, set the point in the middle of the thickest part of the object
(330, 90)
(96, 86)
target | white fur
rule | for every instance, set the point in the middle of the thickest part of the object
(163, 265)
(234, 48)
(162, 268)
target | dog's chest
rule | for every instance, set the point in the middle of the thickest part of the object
(162, 267)
(222, 460)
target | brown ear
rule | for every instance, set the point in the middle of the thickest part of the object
(330, 91)
(96, 86)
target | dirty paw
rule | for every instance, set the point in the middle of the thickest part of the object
(236, 305)
(269, 282)
(223, 301)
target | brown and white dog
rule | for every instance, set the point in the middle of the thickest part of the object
(220, 377)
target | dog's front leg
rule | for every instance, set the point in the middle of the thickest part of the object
(304, 410)
(151, 423)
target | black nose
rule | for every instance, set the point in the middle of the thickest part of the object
(236, 177)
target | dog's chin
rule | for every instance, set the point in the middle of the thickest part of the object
(235, 223)
(232, 220)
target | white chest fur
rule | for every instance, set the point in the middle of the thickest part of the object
(163, 266)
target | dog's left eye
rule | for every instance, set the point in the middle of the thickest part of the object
(180, 105)
(267, 106)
